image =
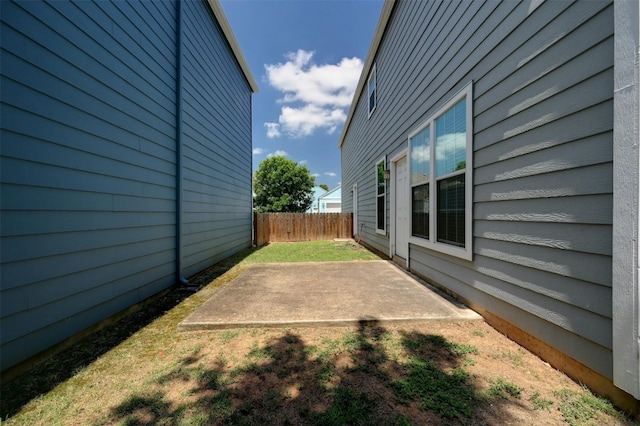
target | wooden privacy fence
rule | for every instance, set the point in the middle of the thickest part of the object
(274, 227)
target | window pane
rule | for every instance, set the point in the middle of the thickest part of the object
(420, 157)
(381, 208)
(420, 211)
(371, 87)
(451, 140)
(381, 178)
(451, 210)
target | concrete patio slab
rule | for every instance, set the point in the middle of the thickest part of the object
(320, 294)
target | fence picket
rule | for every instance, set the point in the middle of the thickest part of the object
(278, 227)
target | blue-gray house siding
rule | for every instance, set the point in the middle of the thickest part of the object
(217, 145)
(89, 161)
(542, 77)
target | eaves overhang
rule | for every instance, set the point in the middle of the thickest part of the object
(385, 15)
(216, 8)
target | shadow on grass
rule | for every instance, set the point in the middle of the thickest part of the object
(55, 370)
(369, 377)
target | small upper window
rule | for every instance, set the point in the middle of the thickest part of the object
(371, 84)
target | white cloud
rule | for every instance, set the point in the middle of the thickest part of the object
(328, 84)
(302, 162)
(451, 152)
(273, 130)
(319, 93)
(304, 121)
(277, 153)
(421, 153)
(257, 151)
(315, 175)
(330, 174)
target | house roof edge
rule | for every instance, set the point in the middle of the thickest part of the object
(331, 191)
(385, 15)
(218, 12)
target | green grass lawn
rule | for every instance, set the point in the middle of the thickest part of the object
(142, 371)
(310, 251)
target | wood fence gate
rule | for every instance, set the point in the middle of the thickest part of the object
(274, 227)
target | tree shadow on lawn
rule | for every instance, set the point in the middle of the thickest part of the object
(55, 370)
(366, 378)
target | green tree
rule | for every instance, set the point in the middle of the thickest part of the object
(282, 185)
(324, 186)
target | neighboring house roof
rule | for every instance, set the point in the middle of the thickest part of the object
(330, 201)
(317, 192)
(385, 15)
(333, 193)
(216, 8)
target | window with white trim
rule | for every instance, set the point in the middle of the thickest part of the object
(372, 90)
(381, 201)
(441, 182)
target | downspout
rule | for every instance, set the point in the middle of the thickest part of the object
(180, 279)
(254, 237)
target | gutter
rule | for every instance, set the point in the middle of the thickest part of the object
(180, 279)
(218, 12)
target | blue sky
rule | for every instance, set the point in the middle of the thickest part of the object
(306, 56)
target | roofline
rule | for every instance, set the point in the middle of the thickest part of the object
(330, 191)
(373, 49)
(218, 12)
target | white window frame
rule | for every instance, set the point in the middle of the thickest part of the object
(372, 76)
(432, 242)
(382, 231)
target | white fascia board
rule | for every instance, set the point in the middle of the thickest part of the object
(216, 8)
(368, 64)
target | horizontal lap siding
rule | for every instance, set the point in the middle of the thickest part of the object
(88, 165)
(217, 144)
(543, 86)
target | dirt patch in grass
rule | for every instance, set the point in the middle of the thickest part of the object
(319, 376)
(431, 373)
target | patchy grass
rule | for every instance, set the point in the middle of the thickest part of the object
(349, 407)
(450, 394)
(229, 335)
(142, 371)
(503, 388)
(478, 333)
(435, 378)
(540, 403)
(515, 358)
(584, 408)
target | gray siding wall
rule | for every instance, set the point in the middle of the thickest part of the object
(542, 199)
(88, 161)
(217, 144)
